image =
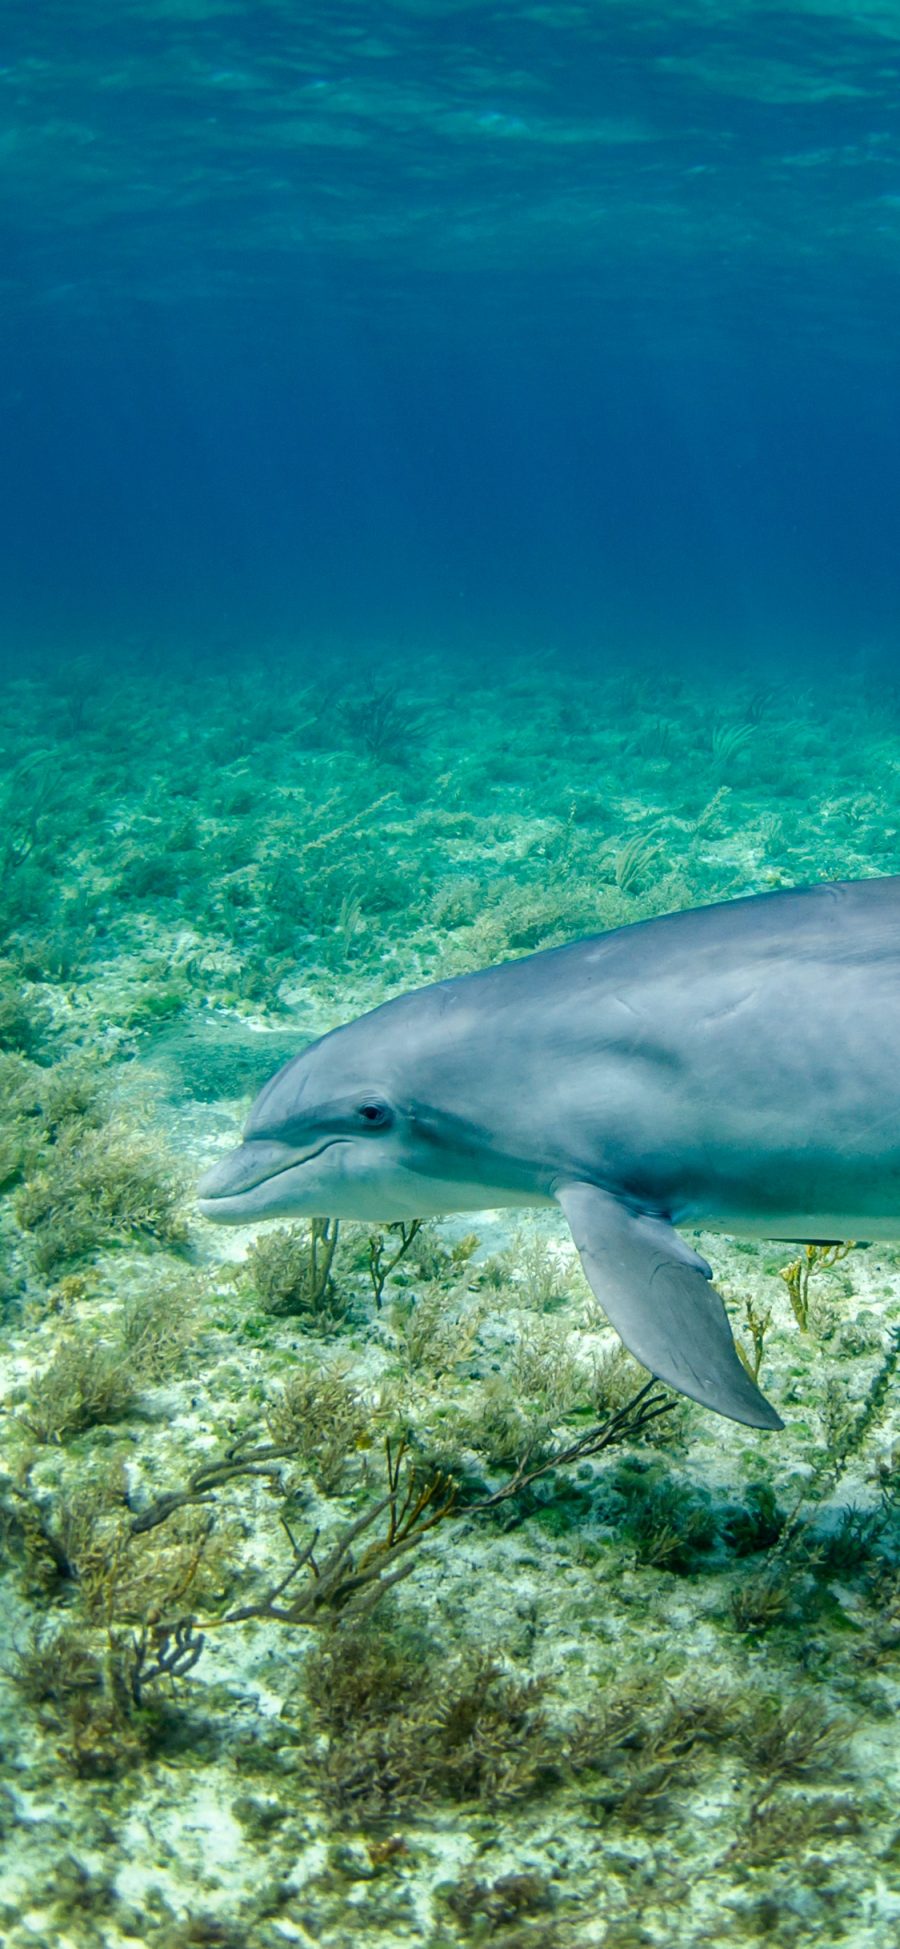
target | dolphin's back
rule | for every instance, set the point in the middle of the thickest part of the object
(855, 920)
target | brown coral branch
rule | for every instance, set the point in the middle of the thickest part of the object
(341, 1580)
(631, 1420)
(237, 1461)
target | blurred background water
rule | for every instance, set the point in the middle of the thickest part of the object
(435, 324)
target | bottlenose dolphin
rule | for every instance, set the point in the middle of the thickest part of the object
(734, 1067)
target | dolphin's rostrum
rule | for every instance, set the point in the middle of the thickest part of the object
(735, 1067)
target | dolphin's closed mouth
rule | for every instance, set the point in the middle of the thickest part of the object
(227, 1180)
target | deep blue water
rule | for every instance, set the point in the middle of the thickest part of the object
(427, 325)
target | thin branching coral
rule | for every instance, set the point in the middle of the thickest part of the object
(348, 1580)
(384, 723)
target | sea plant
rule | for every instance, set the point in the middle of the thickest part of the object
(80, 1542)
(88, 1383)
(321, 1419)
(667, 1522)
(756, 1321)
(399, 1726)
(381, 720)
(485, 1907)
(80, 1694)
(784, 1826)
(97, 1187)
(93, 1378)
(634, 862)
(432, 1329)
(25, 1020)
(156, 1325)
(638, 1739)
(793, 1579)
(790, 1739)
(797, 1275)
(382, 1260)
(765, 1599)
(289, 1272)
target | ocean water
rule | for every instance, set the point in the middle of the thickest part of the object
(449, 506)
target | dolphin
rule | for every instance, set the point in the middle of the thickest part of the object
(733, 1067)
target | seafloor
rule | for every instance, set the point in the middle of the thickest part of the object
(648, 1696)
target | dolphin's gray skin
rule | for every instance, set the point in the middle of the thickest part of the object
(737, 1067)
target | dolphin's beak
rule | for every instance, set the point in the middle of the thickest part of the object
(222, 1189)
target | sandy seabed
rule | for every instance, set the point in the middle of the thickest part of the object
(647, 1698)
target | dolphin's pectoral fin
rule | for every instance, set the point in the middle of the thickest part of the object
(656, 1294)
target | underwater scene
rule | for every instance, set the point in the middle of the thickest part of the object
(449, 510)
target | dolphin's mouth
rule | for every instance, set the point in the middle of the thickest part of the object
(236, 1175)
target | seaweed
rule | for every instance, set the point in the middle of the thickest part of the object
(434, 1330)
(25, 1020)
(81, 1695)
(797, 1275)
(386, 725)
(96, 1187)
(489, 1905)
(79, 1544)
(793, 1581)
(782, 1827)
(156, 1325)
(790, 1739)
(288, 1271)
(666, 1521)
(762, 1601)
(320, 1419)
(87, 1384)
(403, 1726)
(639, 1739)
(754, 1524)
(93, 1380)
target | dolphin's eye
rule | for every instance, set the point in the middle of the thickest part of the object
(374, 1114)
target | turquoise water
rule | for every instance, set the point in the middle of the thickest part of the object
(433, 321)
(448, 509)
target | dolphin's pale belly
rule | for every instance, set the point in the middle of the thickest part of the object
(799, 1227)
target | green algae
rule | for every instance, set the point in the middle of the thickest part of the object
(528, 1732)
(93, 1187)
